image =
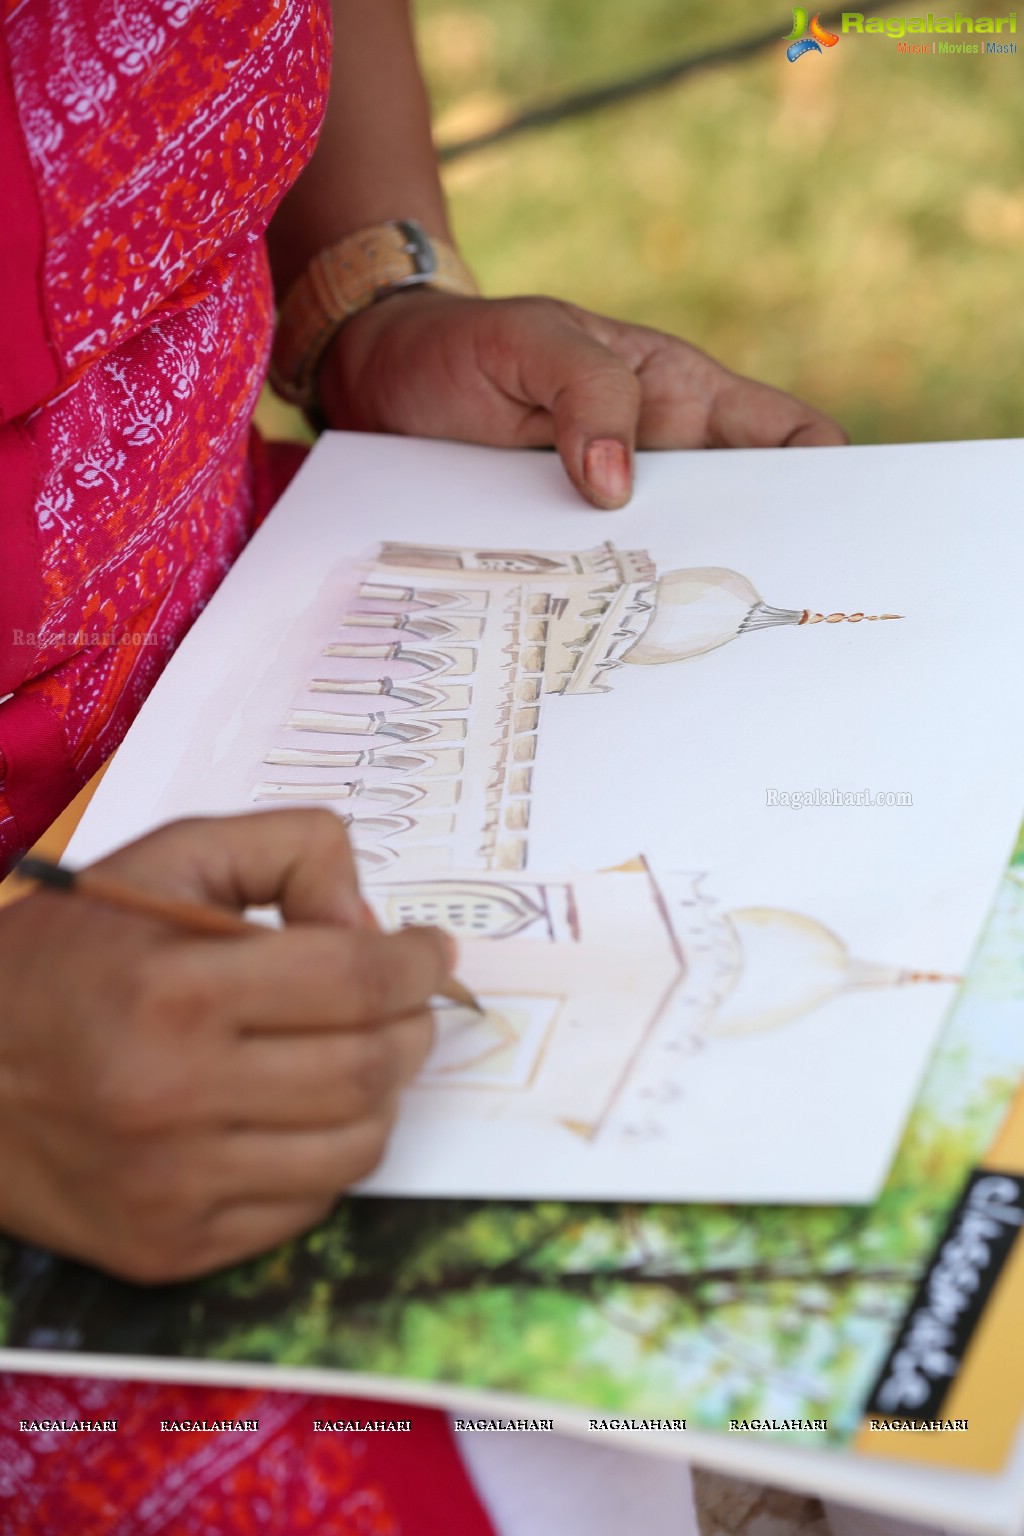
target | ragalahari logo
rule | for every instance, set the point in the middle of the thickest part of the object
(799, 44)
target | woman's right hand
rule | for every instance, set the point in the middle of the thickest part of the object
(170, 1104)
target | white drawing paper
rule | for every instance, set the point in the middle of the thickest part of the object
(577, 740)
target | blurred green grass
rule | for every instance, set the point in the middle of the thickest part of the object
(850, 227)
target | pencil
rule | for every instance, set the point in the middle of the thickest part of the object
(192, 916)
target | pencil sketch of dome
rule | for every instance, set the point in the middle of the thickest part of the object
(698, 610)
(695, 611)
(785, 965)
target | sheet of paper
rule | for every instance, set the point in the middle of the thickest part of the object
(715, 790)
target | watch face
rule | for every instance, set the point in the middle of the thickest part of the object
(420, 247)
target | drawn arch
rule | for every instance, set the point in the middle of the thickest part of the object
(381, 827)
(382, 592)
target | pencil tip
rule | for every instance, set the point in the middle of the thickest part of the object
(456, 992)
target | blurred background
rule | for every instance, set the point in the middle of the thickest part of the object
(849, 227)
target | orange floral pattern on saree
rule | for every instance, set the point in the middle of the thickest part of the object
(161, 135)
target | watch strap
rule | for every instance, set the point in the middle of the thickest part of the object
(346, 278)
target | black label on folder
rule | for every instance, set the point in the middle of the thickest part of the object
(950, 1298)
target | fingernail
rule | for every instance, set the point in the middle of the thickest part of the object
(606, 469)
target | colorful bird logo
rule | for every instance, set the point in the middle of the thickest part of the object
(799, 44)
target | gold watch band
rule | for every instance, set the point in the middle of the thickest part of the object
(349, 277)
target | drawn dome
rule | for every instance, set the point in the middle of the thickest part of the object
(699, 609)
(786, 965)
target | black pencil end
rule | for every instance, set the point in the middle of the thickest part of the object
(45, 873)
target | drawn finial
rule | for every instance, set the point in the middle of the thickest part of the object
(850, 618)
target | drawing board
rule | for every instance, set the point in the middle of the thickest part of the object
(714, 791)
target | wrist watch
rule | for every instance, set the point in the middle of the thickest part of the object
(346, 278)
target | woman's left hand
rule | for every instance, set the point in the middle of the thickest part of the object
(531, 372)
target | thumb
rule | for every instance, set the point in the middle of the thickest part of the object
(299, 860)
(594, 401)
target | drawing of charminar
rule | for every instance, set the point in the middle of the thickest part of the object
(442, 668)
(421, 725)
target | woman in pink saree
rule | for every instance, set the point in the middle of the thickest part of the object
(169, 169)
